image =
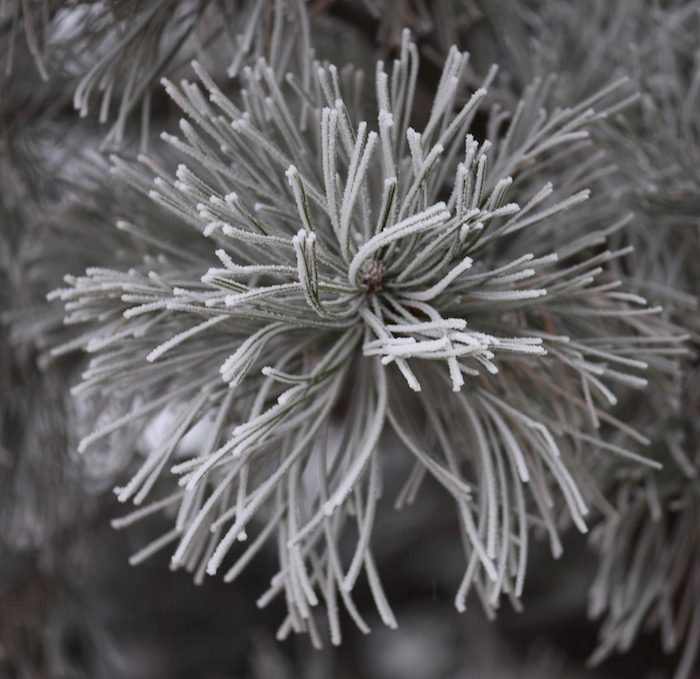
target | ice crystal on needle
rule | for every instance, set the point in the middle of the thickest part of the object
(366, 281)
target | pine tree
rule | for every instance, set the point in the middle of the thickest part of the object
(269, 284)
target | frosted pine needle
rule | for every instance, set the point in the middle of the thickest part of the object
(370, 278)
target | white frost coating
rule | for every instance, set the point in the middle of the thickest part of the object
(329, 279)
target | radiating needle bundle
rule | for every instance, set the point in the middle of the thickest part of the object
(374, 283)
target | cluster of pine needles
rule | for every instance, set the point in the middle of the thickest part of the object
(272, 286)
